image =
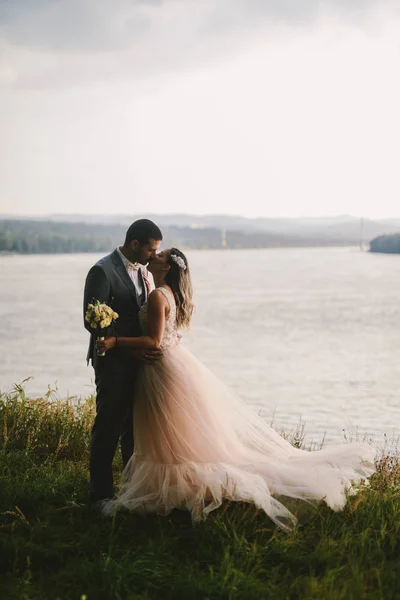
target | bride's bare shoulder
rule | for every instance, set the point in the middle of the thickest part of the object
(157, 298)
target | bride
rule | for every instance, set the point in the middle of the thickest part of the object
(196, 443)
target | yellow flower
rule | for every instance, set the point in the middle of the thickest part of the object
(105, 323)
(99, 314)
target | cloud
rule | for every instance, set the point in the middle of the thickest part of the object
(61, 43)
(75, 25)
(304, 120)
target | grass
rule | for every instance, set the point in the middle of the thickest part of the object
(52, 545)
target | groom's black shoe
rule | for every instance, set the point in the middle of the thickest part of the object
(96, 508)
(96, 501)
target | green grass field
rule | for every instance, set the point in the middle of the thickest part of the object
(53, 546)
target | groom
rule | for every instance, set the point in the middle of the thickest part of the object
(117, 280)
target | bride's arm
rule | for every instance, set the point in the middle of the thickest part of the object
(156, 309)
(156, 312)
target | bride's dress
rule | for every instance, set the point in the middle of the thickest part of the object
(196, 443)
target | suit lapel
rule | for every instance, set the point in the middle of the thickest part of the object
(122, 272)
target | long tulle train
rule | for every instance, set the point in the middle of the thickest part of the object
(197, 443)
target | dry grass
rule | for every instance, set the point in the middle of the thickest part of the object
(52, 545)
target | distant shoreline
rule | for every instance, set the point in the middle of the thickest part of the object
(188, 249)
(61, 237)
(386, 244)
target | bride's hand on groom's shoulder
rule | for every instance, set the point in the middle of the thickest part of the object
(147, 281)
(148, 356)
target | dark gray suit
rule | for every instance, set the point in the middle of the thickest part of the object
(109, 282)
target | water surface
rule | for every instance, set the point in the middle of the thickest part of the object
(311, 334)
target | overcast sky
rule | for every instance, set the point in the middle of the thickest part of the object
(250, 107)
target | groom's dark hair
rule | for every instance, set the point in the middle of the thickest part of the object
(143, 230)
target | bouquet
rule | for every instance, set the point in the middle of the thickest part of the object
(99, 314)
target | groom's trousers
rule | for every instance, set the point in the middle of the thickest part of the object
(113, 422)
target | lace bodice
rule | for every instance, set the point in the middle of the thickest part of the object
(170, 337)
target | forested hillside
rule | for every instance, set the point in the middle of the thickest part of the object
(389, 244)
(52, 237)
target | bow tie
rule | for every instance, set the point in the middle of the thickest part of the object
(132, 266)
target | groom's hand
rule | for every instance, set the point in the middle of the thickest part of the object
(107, 344)
(147, 356)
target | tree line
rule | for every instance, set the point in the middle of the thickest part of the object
(53, 237)
(388, 244)
(48, 237)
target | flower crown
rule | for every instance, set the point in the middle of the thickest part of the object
(179, 261)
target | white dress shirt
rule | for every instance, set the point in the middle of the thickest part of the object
(133, 271)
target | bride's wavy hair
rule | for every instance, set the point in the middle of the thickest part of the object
(178, 278)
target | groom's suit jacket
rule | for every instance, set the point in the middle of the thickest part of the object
(109, 282)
